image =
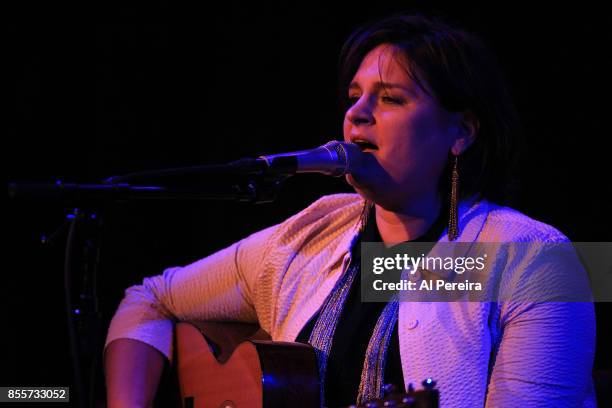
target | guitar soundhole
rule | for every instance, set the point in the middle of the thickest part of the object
(188, 402)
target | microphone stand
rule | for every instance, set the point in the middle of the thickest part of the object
(256, 189)
(83, 228)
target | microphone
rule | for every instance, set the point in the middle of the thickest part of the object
(333, 159)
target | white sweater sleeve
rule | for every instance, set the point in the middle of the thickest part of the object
(546, 351)
(219, 287)
(545, 357)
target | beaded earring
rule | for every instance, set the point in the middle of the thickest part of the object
(453, 221)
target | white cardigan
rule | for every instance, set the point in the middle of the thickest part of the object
(493, 354)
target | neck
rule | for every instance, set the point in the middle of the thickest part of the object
(409, 223)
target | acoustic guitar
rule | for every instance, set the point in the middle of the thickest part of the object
(236, 365)
(226, 365)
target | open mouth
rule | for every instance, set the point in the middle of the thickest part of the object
(365, 145)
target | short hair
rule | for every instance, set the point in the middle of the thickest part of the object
(463, 76)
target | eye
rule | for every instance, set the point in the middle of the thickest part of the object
(388, 99)
(352, 99)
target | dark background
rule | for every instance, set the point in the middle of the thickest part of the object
(101, 90)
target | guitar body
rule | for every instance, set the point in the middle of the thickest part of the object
(233, 365)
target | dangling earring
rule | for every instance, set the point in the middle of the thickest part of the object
(453, 221)
(365, 214)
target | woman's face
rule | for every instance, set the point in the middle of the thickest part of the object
(406, 131)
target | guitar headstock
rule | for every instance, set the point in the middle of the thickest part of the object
(428, 397)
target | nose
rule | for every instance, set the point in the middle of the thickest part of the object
(360, 113)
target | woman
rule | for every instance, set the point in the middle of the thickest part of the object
(427, 104)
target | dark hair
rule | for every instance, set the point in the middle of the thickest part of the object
(463, 76)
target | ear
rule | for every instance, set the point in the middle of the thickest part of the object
(467, 126)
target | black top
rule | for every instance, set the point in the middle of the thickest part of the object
(355, 327)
